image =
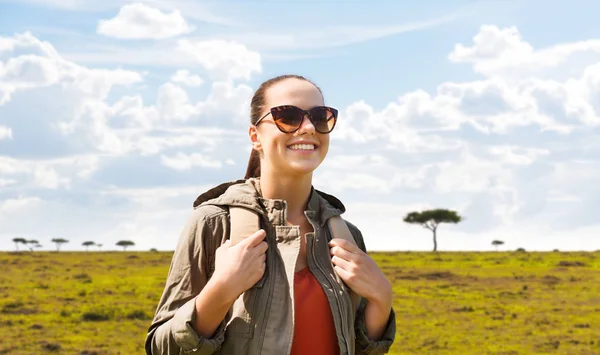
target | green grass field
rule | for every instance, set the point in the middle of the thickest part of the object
(446, 303)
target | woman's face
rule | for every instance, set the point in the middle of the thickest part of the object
(295, 153)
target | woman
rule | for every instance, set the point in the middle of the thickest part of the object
(274, 292)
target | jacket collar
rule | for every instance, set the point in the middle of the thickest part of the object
(247, 194)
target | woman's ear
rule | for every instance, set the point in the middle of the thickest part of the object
(254, 137)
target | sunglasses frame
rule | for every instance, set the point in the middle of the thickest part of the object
(274, 110)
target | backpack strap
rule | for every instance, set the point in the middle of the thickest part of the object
(244, 223)
(339, 229)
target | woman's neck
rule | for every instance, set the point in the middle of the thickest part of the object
(295, 190)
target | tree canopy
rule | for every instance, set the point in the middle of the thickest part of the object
(18, 241)
(125, 244)
(431, 219)
(59, 242)
(88, 244)
(496, 243)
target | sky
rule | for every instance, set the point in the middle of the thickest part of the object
(115, 115)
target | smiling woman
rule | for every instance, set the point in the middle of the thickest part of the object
(294, 284)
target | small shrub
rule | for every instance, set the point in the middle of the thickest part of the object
(84, 278)
(571, 263)
(51, 347)
(521, 250)
(139, 315)
(11, 307)
(465, 309)
(97, 315)
(582, 326)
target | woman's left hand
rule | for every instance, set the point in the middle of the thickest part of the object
(360, 272)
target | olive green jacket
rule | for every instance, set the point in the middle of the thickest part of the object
(261, 320)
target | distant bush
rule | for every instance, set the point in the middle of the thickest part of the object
(12, 307)
(571, 263)
(153, 250)
(521, 250)
(52, 347)
(138, 314)
(85, 278)
(98, 315)
(556, 250)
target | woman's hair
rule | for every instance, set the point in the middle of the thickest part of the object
(257, 106)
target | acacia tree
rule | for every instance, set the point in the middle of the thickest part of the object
(431, 219)
(87, 244)
(18, 241)
(59, 242)
(31, 244)
(125, 244)
(99, 246)
(496, 243)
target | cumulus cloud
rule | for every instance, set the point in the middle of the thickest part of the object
(502, 51)
(222, 59)
(15, 204)
(182, 161)
(5, 132)
(186, 78)
(139, 21)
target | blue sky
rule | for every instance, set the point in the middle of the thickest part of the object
(115, 115)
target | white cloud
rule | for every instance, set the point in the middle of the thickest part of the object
(7, 182)
(21, 203)
(48, 178)
(185, 77)
(173, 103)
(223, 59)
(139, 21)
(5, 132)
(182, 161)
(502, 51)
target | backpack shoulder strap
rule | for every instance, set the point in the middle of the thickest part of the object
(339, 229)
(244, 223)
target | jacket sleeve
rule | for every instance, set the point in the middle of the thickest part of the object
(363, 344)
(171, 330)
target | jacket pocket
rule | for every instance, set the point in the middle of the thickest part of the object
(243, 312)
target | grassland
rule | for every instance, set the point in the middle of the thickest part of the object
(446, 303)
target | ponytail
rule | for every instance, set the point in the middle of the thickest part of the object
(253, 170)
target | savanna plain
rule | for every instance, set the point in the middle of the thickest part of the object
(503, 303)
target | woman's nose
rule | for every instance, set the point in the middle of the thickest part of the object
(306, 126)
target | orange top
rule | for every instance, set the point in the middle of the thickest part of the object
(314, 330)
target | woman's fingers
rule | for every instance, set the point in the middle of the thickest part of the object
(342, 253)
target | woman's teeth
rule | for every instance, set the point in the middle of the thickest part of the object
(302, 147)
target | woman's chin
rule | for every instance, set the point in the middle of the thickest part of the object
(303, 168)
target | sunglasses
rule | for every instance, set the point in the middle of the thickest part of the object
(289, 118)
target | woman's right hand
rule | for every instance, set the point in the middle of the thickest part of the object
(238, 267)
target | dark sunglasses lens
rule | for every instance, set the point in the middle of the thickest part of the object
(288, 119)
(324, 119)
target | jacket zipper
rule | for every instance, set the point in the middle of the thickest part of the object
(338, 301)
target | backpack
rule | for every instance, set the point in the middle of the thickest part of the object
(245, 222)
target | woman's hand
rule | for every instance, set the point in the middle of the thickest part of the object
(360, 272)
(238, 267)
